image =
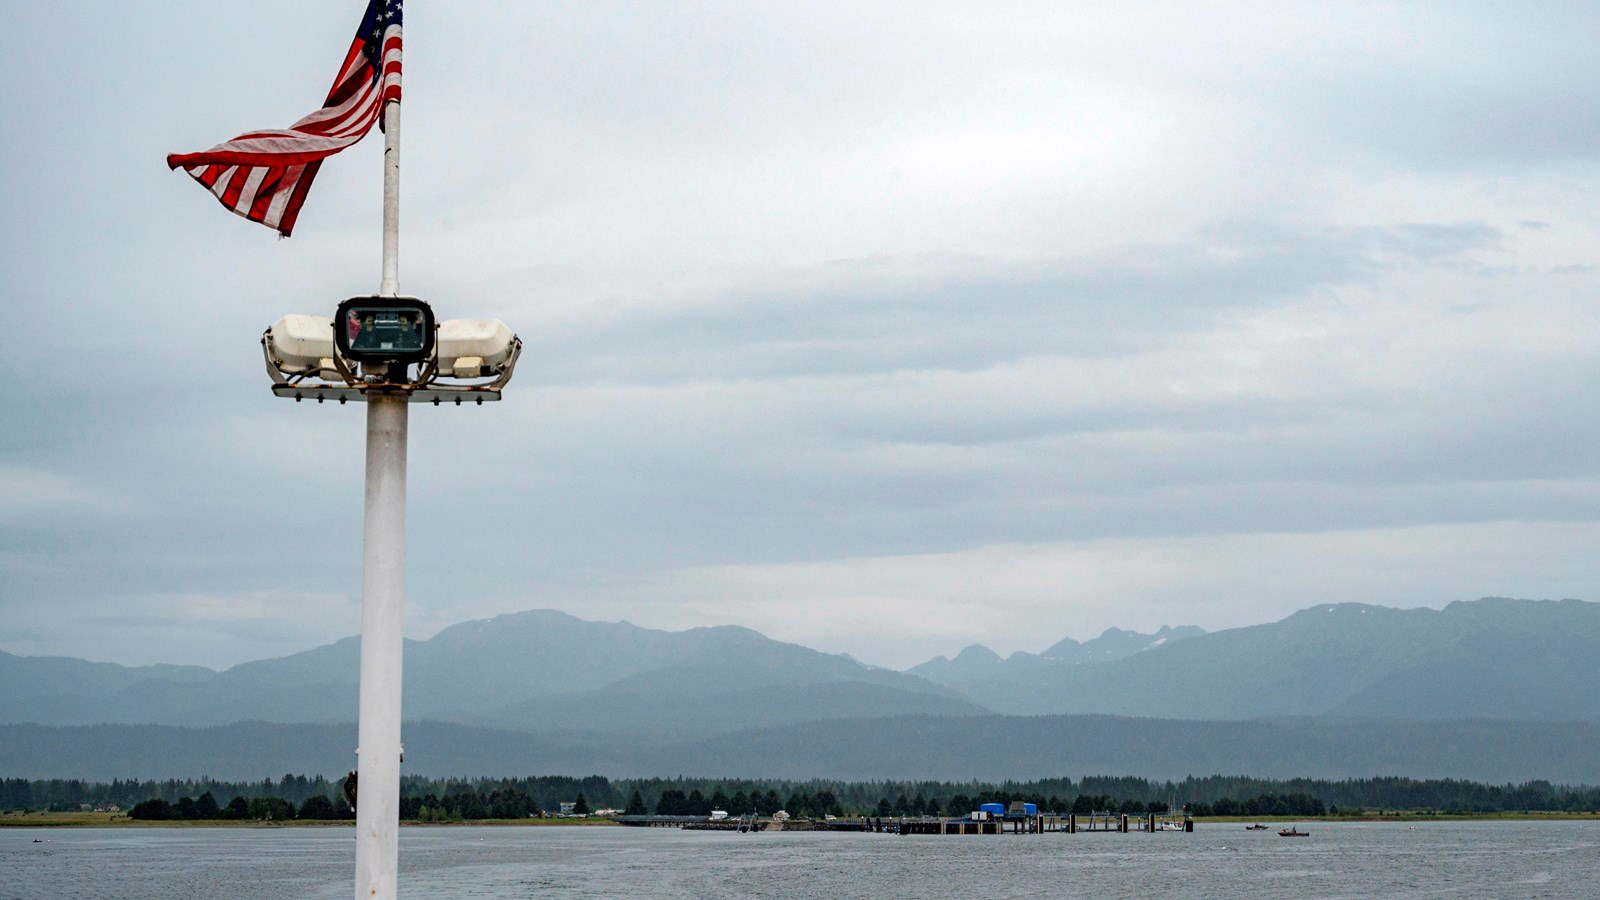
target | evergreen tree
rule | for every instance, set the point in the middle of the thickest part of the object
(824, 804)
(469, 805)
(697, 804)
(205, 807)
(269, 809)
(155, 809)
(635, 805)
(318, 806)
(581, 807)
(672, 803)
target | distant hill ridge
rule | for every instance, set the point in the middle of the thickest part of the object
(1491, 658)
(978, 663)
(539, 669)
(935, 747)
(574, 681)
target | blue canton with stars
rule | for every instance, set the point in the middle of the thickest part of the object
(380, 15)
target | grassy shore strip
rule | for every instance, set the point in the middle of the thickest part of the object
(121, 820)
(1414, 816)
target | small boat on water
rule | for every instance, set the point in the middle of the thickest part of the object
(1293, 831)
(1256, 827)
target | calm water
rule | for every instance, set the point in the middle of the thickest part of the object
(1454, 859)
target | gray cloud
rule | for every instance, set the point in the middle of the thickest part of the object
(1000, 302)
(891, 314)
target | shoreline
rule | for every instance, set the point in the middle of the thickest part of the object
(121, 820)
(1411, 818)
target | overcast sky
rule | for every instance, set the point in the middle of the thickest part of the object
(882, 328)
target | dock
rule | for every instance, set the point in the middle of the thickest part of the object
(1102, 822)
(745, 823)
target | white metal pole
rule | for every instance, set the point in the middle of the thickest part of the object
(383, 592)
(391, 199)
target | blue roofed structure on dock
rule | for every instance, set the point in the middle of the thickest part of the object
(1017, 810)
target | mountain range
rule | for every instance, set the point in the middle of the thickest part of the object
(641, 701)
(978, 663)
(1491, 658)
(540, 670)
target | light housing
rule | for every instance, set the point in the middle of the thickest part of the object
(474, 348)
(303, 343)
(384, 330)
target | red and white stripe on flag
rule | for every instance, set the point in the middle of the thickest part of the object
(265, 175)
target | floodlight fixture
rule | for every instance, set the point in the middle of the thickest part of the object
(390, 345)
(474, 348)
(371, 330)
(303, 346)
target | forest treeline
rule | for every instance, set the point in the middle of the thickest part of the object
(455, 799)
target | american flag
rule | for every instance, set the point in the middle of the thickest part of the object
(264, 175)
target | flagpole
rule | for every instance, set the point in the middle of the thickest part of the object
(391, 199)
(383, 585)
